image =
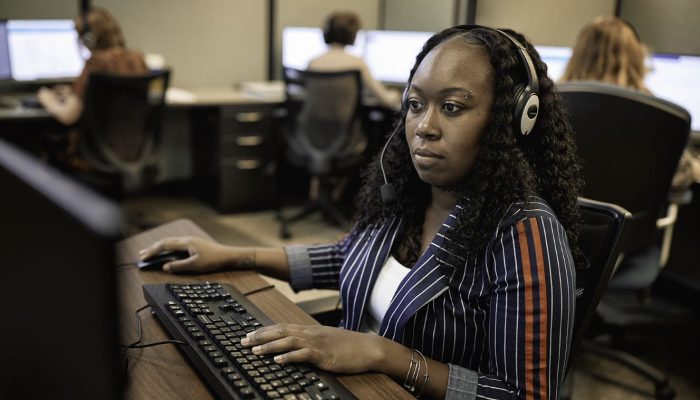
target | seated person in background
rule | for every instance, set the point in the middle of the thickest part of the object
(103, 37)
(464, 281)
(340, 31)
(608, 49)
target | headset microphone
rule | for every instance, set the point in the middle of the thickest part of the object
(388, 190)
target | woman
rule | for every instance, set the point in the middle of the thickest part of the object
(482, 300)
(608, 49)
(103, 37)
(339, 31)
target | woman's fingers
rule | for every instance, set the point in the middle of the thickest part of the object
(280, 345)
(268, 334)
(167, 244)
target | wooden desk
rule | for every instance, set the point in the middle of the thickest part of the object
(162, 372)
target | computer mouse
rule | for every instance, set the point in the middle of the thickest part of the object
(156, 262)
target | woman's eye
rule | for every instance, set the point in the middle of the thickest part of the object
(414, 104)
(451, 107)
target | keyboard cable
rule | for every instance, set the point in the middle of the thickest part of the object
(137, 344)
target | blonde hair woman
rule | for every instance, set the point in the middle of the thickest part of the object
(608, 49)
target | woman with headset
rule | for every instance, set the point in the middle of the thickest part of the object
(340, 30)
(100, 33)
(458, 279)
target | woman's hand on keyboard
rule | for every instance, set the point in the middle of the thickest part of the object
(331, 349)
(205, 256)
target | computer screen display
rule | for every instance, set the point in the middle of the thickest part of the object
(672, 77)
(390, 55)
(556, 58)
(677, 78)
(57, 285)
(301, 44)
(4, 53)
(43, 49)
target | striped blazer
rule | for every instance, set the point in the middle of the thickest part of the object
(502, 320)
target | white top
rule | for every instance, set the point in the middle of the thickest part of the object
(337, 59)
(385, 287)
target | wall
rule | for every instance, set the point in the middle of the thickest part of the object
(418, 15)
(669, 26)
(210, 42)
(544, 22)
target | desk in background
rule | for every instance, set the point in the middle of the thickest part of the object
(163, 372)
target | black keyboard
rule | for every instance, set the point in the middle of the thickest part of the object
(212, 318)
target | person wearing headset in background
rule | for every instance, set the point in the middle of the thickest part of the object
(464, 266)
(339, 31)
(608, 49)
(100, 33)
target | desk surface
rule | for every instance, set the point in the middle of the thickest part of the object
(162, 372)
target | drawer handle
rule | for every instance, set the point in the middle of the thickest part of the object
(249, 116)
(243, 164)
(254, 140)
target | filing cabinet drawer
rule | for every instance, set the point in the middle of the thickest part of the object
(246, 184)
(241, 119)
(247, 144)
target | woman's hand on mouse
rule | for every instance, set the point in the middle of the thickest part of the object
(205, 255)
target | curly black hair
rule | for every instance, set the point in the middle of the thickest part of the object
(509, 167)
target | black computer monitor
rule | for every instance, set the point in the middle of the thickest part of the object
(43, 49)
(59, 331)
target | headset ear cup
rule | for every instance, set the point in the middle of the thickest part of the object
(527, 108)
(88, 40)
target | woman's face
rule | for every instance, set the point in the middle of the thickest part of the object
(449, 105)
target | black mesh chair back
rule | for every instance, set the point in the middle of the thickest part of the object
(120, 125)
(323, 116)
(630, 144)
(603, 227)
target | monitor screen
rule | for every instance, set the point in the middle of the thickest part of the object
(556, 58)
(672, 77)
(301, 44)
(43, 49)
(390, 55)
(57, 285)
(676, 78)
(4, 53)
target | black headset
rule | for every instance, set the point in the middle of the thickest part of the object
(328, 28)
(527, 106)
(86, 35)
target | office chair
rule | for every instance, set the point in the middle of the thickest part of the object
(120, 130)
(603, 229)
(630, 144)
(323, 134)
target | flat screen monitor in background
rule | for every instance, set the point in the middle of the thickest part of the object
(556, 58)
(301, 44)
(57, 285)
(4, 54)
(43, 49)
(677, 78)
(390, 55)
